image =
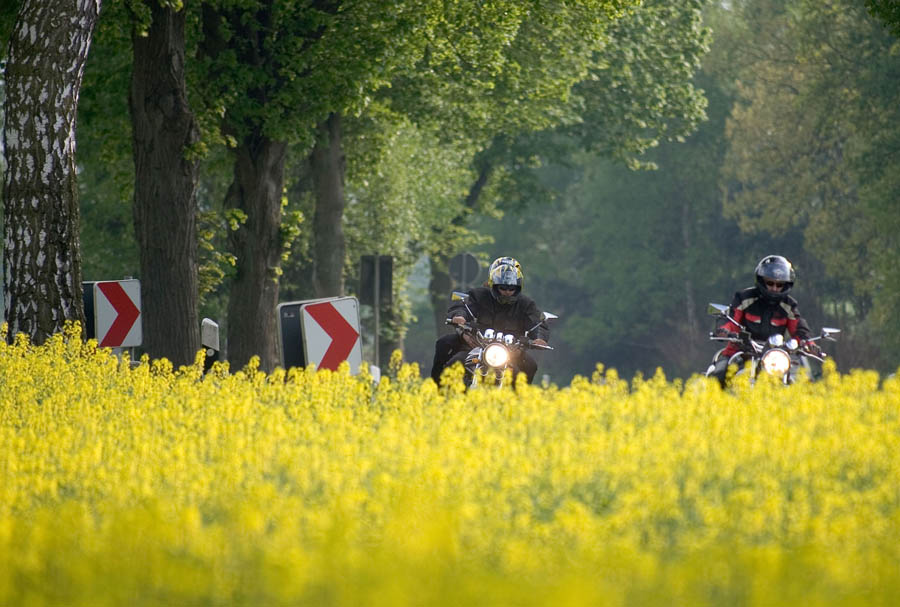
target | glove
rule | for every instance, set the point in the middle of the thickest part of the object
(723, 332)
(812, 347)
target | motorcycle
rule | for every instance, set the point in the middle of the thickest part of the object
(780, 358)
(493, 351)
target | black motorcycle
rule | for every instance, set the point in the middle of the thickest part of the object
(493, 352)
(780, 358)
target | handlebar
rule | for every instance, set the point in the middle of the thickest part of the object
(467, 328)
(745, 340)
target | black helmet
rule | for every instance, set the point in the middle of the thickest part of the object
(774, 268)
(506, 275)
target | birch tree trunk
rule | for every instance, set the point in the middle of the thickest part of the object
(163, 129)
(41, 249)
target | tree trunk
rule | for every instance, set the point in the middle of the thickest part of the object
(256, 190)
(42, 257)
(163, 129)
(693, 325)
(327, 163)
(439, 291)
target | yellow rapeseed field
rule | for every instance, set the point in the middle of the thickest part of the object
(154, 486)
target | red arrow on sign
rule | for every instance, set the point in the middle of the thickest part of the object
(343, 335)
(128, 313)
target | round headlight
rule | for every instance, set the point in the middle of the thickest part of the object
(496, 355)
(776, 362)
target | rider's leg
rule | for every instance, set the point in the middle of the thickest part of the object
(460, 357)
(719, 370)
(445, 347)
(528, 366)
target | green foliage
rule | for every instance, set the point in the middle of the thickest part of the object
(8, 12)
(621, 294)
(215, 264)
(283, 67)
(889, 13)
(403, 184)
(630, 259)
(504, 67)
(812, 148)
(433, 93)
(106, 168)
(639, 90)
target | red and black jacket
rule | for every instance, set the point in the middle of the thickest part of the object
(763, 317)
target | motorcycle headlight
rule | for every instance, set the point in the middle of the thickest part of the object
(496, 355)
(776, 362)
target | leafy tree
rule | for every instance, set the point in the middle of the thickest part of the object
(47, 52)
(489, 74)
(629, 259)
(811, 150)
(634, 91)
(321, 66)
(402, 182)
(286, 72)
(888, 11)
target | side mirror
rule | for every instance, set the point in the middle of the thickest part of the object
(715, 309)
(720, 310)
(458, 296)
(829, 332)
(544, 316)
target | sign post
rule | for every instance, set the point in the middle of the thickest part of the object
(376, 289)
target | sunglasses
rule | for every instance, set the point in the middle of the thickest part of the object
(774, 283)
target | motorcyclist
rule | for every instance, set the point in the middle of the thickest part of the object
(499, 305)
(764, 309)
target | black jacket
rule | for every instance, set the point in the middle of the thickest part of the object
(516, 318)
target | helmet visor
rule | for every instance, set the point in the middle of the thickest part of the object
(506, 276)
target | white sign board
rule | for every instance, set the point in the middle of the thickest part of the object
(117, 313)
(331, 335)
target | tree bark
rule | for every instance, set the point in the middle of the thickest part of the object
(327, 163)
(439, 291)
(256, 190)
(693, 325)
(47, 52)
(163, 129)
